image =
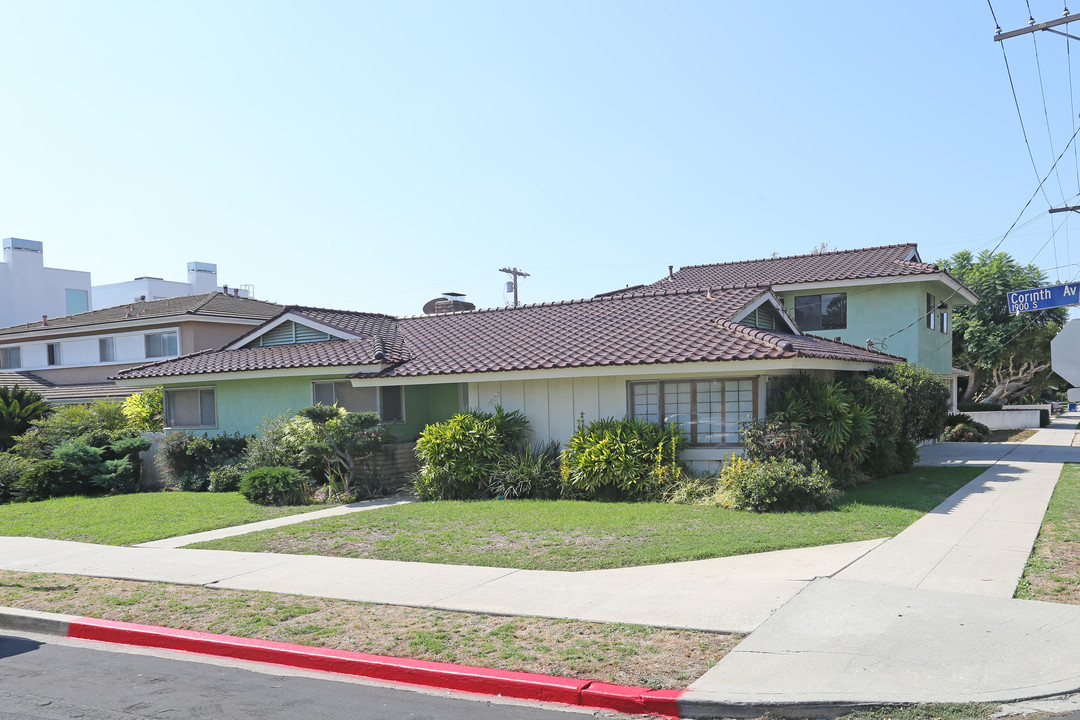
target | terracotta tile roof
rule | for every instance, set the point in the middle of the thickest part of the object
(83, 392)
(333, 353)
(206, 305)
(631, 330)
(864, 263)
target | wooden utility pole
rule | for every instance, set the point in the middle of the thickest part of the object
(515, 273)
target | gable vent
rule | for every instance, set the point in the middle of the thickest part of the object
(763, 317)
(289, 333)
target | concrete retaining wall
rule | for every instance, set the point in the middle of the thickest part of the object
(1007, 419)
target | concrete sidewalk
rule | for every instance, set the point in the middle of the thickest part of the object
(925, 616)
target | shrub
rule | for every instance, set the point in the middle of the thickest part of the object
(279, 442)
(185, 460)
(340, 439)
(1044, 417)
(48, 479)
(964, 419)
(962, 432)
(144, 411)
(97, 425)
(274, 486)
(19, 408)
(928, 401)
(694, 490)
(888, 453)
(776, 437)
(12, 468)
(459, 457)
(628, 459)
(531, 472)
(225, 478)
(841, 430)
(775, 485)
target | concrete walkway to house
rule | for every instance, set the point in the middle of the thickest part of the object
(925, 616)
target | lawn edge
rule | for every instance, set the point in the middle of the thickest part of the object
(425, 673)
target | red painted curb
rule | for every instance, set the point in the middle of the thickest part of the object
(527, 686)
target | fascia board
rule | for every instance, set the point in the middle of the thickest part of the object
(864, 282)
(732, 367)
(204, 378)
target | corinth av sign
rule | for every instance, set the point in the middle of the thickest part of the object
(1051, 296)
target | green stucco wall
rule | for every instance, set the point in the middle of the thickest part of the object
(874, 311)
(243, 404)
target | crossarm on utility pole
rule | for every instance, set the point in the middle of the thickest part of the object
(1035, 26)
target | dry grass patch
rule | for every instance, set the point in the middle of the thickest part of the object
(614, 653)
(1015, 436)
(1053, 569)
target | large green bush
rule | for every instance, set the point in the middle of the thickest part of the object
(19, 408)
(628, 459)
(888, 453)
(928, 400)
(776, 437)
(841, 429)
(48, 479)
(529, 472)
(97, 425)
(275, 486)
(186, 460)
(339, 440)
(459, 457)
(774, 485)
(12, 468)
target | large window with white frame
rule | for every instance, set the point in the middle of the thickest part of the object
(190, 408)
(387, 401)
(708, 410)
(10, 358)
(162, 344)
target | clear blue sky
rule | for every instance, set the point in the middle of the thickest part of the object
(369, 155)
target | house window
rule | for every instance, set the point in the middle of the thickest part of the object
(388, 401)
(76, 301)
(708, 411)
(106, 350)
(821, 312)
(161, 345)
(190, 408)
(10, 358)
(931, 312)
(53, 354)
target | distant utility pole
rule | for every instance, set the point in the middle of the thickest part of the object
(515, 273)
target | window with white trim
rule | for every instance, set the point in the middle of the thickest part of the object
(53, 356)
(708, 411)
(106, 349)
(190, 408)
(387, 401)
(162, 344)
(10, 358)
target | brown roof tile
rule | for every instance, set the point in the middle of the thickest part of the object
(83, 392)
(639, 329)
(864, 263)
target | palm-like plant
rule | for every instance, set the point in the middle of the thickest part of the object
(19, 407)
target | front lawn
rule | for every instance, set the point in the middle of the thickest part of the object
(132, 519)
(565, 535)
(1053, 570)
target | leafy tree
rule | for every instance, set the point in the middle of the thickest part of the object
(19, 408)
(1008, 356)
(341, 438)
(145, 411)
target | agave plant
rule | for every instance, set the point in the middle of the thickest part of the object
(18, 408)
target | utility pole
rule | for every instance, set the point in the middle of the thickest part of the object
(515, 273)
(1036, 26)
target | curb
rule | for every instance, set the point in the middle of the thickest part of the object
(462, 678)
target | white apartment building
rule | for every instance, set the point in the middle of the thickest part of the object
(202, 278)
(29, 290)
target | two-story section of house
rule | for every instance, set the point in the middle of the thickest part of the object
(885, 298)
(70, 358)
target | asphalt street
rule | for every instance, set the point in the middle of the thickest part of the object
(43, 678)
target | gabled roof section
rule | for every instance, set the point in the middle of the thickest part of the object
(378, 329)
(886, 261)
(680, 326)
(206, 305)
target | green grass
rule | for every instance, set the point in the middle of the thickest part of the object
(566, 535)
(1052, 573)
(131, 519)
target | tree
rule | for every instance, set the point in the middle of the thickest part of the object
(19, 407)
(1008, 356)
(144, 411)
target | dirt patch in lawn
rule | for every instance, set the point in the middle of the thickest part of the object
(622, 654)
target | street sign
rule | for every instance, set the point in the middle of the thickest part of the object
(1051, 296)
